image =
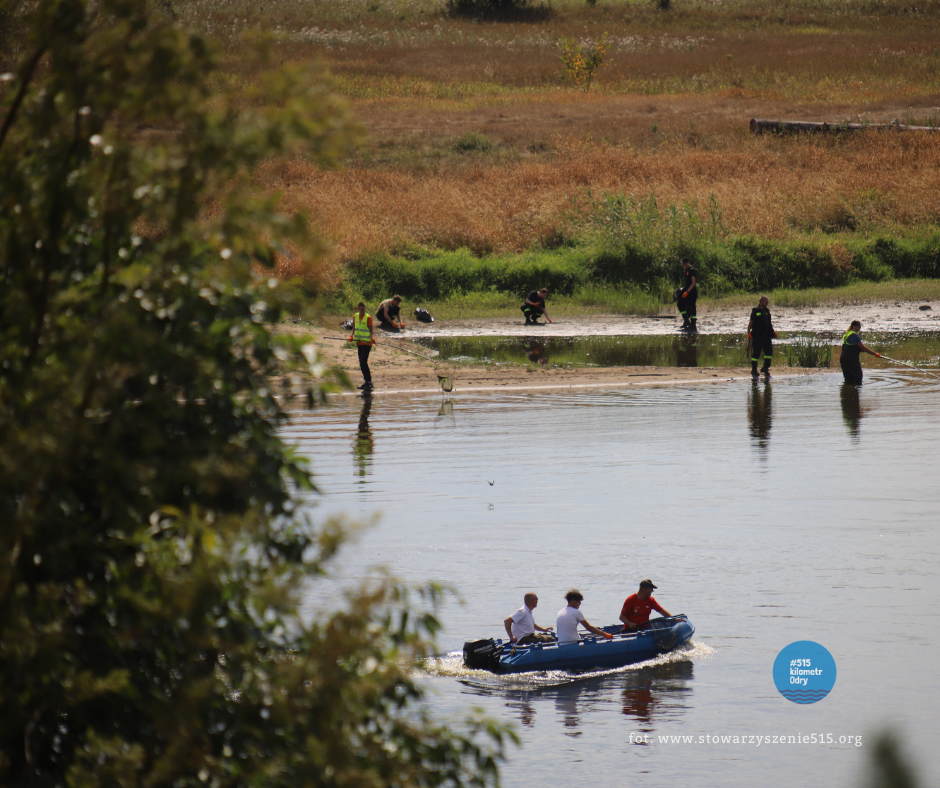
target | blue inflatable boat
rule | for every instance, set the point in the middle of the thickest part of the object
(590, 653)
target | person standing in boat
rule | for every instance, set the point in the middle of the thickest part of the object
(521, 626)
(566, 625)
(760, 331)
(852, 349)
(636, 609)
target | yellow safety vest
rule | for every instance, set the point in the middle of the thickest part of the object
(846, 335)
(361, 330)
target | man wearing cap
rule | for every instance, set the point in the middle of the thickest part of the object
(636, 610)
(569, 617)
(521, 626)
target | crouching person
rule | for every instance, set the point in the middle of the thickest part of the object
(521, 626)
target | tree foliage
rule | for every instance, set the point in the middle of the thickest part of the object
(151, 549)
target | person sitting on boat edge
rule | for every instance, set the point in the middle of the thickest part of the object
(521, 626)
(569, 617)
(635, 613)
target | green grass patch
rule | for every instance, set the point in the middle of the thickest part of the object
(631, 279)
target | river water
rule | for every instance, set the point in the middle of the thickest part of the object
(795, 509)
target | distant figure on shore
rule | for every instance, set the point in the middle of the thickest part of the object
(364, 336)
(534, 307)
(852, 349)
(687, 295)
(521, 626)
(566, 625)
(388, 311)
(635, 613)
(760, 333)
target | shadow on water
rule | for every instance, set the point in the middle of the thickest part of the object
(850, 396)
(364, 442)
(686, 348)
(646, 694)
(760, 415)
(535, 351)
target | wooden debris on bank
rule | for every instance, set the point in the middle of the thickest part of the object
(797, 126)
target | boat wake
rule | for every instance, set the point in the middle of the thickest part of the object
(451, 665)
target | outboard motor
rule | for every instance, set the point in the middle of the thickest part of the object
(481, 655)
(423, 315)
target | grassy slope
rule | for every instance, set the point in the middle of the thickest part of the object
(477, 148)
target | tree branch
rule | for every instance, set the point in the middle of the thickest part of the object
(21, 93)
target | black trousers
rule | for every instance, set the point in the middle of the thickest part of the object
(687, 305)
(364, 351)
(761, 344)
(531, 312)
(851, 370)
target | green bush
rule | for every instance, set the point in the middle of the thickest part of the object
(808, 351)
(155, 547)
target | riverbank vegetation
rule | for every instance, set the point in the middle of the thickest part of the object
(476, 146)
(156, 548)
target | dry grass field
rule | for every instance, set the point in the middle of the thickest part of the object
(473, 137)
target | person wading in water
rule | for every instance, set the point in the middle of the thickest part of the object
(852, 349)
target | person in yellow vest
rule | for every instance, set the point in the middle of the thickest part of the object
(852, 348)
(365, 339)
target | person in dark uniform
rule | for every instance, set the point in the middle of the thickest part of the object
(760, 331)
(687, 296)
(534, 307)
(852, 349)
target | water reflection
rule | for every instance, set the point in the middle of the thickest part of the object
(687, 350)
(647, 695)
(535, 351)
(760, 414)
(651, 690)
(660, 350)
(850, 396)
(364, 443)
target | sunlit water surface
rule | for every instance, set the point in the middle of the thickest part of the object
(659, 350)
(769, 513)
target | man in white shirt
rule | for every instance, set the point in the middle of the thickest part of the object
(521, 626)
(569, 617)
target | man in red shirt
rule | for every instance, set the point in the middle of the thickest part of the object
(636, 610)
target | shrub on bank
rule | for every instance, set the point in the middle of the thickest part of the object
(734, 264)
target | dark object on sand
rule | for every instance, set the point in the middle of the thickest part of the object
(924, 308)
(590, 653)
(347, 324)
(423, 315)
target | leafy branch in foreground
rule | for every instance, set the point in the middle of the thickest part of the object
(152, 548)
